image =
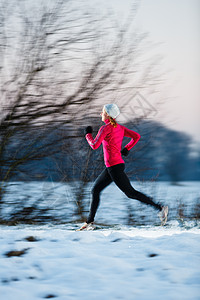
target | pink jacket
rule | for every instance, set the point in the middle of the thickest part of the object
(111, 138)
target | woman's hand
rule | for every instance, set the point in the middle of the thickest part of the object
(88, 129)
(125, 152)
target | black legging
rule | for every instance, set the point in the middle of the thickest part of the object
(116, 174)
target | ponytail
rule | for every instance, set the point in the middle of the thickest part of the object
(113, 122)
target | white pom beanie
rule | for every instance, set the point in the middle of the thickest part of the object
(112, 110)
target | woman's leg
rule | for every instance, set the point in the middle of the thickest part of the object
(101, 182)
(121, 180)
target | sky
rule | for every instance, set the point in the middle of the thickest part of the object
(175, 26)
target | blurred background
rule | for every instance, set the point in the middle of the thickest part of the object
(60, 62)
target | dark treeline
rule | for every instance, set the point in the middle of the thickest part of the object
(62, 154)
(161, 154)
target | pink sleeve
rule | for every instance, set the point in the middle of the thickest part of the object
(95, 143)
(134, 137)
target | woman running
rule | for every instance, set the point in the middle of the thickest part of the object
(111, 135)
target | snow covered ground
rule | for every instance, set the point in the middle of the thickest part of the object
(141, 262)
(138, 263)
(115, 207)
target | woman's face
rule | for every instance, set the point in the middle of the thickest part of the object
(104, 115)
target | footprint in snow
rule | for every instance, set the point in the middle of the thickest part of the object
(16, 252)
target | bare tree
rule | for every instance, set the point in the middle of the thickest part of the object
(58, 63)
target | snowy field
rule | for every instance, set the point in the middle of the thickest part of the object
(117, 261)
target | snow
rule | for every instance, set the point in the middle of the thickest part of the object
(141, 262)
(137, 263)
(114, 206)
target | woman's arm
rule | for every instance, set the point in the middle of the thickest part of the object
(134, 137)
(95, 143)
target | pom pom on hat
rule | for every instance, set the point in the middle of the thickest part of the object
(112, 110)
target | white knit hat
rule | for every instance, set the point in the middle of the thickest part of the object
(112, 110)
